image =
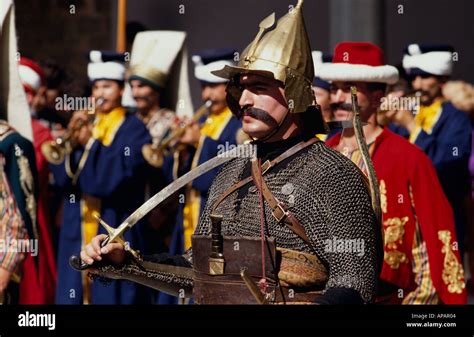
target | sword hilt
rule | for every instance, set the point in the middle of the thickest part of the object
(76, 262)
(216, 259)
(216, 236)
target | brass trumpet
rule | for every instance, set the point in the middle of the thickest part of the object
(153, 153)
(55, 150)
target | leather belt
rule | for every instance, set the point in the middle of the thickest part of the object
(279, 210)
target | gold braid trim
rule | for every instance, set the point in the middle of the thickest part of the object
(394, 229)
(383, 196)
(453, 273)
(28, 186)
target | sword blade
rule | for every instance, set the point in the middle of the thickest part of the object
(176, 185)
(345, 124)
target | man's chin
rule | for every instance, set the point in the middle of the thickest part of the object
(142, 107)
(341, 115)
(105, 108)
(254, 132)
(216, 108)
(426, 100)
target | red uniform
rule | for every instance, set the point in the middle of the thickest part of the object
(39, 280)
(413, 203)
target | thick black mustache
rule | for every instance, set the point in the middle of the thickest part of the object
(261, 115)
(341, 106)
(146, 99)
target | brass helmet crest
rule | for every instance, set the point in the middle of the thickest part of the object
(280, 51)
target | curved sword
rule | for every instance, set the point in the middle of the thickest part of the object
(364, 150)
(116, 234)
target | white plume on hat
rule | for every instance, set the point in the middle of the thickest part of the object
(13, 105)
(318, 62)
(161, 58)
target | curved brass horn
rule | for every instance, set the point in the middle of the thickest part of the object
(153, 153)
(55, 150)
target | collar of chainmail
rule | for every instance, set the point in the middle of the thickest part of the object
(270, 150)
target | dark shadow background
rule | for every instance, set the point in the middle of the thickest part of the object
(47, 29)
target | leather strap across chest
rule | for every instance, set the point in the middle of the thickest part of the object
(278, 208)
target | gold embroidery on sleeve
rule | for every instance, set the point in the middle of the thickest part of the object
(394, 231)
(383, 196)
(28, 186)
(453, 273)
(394, 258)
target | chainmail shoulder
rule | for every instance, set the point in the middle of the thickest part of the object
(327, 194)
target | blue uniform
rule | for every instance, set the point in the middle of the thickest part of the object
(113, 177)
(218, 140)
(449, 147)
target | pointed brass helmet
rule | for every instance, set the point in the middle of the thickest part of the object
(282, 52)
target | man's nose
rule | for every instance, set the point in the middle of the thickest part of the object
(338, 97)
(416, 83)
(99, 92)
(206, 93)
(246, 99)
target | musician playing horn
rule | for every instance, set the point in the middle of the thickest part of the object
(104, 175)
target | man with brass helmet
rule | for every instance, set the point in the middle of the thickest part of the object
(267, 229)
(103, 176)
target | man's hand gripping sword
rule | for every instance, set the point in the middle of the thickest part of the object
(117, 234)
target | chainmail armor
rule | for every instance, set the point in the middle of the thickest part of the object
(327, 194)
